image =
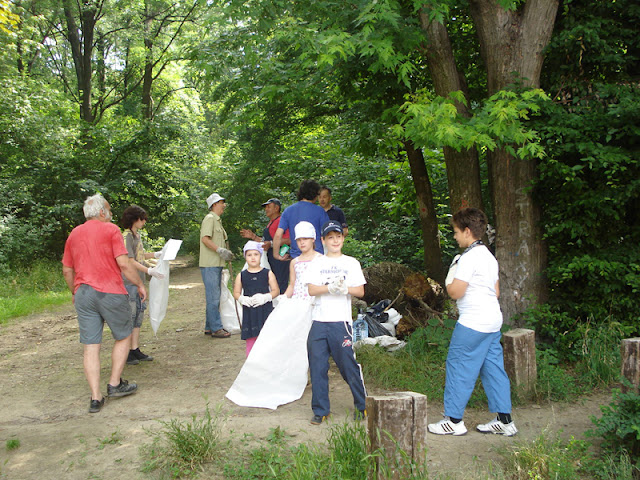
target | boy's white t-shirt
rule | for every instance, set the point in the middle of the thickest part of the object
(323, 271)
(479, 308)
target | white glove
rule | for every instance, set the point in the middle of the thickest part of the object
(157, 254)
(246, 301)
(153, 271)
(225, 254)
(452, 271)
(337, 287)
(261, 299)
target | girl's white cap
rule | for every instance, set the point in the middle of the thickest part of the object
(251, 245)
(304, 230)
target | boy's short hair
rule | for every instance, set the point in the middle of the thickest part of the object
(309, 190)
(131, 215)
(473, 218)
(331, 226)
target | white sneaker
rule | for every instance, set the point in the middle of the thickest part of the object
(447, 427)
(497, 427)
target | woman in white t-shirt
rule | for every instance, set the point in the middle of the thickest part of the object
(475, 348)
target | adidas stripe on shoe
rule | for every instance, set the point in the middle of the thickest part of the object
(447, 427)
(499, 428)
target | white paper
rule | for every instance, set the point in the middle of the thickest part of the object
(170, 249)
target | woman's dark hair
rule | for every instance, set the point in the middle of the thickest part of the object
(309, 190)
(131, 215)
(473, 218)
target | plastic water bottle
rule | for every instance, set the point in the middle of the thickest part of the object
(360, 328)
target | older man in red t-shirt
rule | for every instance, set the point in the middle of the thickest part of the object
(94, 258)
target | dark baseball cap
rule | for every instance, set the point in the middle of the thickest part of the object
(272, 200)
(331, 226)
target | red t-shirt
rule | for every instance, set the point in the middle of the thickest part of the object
(91, 251)
(273, 226)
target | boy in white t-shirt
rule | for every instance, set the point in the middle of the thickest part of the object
(475, 347)
(333, 279)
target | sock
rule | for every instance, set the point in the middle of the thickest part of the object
(455, 420)
(504, 417)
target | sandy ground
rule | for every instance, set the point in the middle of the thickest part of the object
(44, 399)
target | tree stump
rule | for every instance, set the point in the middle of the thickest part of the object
(630, 350)
(397, 422)
(520, 358)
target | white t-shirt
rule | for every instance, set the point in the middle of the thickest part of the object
(479, 308)
(323, 271)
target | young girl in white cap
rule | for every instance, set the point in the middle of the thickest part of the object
(276, 371)
(254, 288)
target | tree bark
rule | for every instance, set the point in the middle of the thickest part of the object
(463, 167)
(147, 81)
(427, 213)
(511, 44)
(82, 51)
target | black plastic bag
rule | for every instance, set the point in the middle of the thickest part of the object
(376, 329)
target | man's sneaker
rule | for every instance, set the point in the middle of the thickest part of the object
(499, 428)
(132, 359)
(447, 427)
(122, 390)
(318, 419)
(96, 405)
(141, 356)
(359, 415)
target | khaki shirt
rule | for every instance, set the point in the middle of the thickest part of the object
(212, 227)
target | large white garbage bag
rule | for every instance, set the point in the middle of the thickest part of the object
(159, 289)
(228, 313)
(275, 372)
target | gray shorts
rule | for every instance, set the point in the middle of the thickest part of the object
(136, 305)
(94, 308)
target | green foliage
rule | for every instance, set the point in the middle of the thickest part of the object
(12, 444)
(28, 290)
(431, 121)
(180, 447)
(553, 383)
(115, 438)
(619, 425)
(547, 457)
(345, 456)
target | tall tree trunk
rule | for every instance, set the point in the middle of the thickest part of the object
(81, 51)
(427, 213)
(511, 43)
(147, 82)
(463, 167)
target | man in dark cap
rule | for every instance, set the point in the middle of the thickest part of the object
(280, 268)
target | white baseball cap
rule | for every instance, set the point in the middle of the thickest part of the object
(213, 198)
(304, 230)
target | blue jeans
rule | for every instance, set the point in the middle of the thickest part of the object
(333, 339)
(473, 354)
(211, 277)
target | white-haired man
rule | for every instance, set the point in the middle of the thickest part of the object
(94, 259)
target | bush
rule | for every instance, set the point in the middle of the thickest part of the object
(619, 426)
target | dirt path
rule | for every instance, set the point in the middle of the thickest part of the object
(44, 398)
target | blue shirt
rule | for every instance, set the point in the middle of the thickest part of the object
(304, 212)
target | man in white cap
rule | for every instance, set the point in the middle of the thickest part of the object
(214, 253)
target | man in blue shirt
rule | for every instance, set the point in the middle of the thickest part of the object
(303, 210)
(335, 213)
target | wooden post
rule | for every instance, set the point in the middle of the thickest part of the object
(520, 358)
(630, 350)
(397, 421)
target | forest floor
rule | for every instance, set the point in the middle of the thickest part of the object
(44, 399)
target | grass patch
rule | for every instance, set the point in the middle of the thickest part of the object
(12, 444)
(419, 367)
(27, 291)
(181, 448)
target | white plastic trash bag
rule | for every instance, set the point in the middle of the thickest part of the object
(391, 344)
(230, 309)
(159, 288)
(275, 372)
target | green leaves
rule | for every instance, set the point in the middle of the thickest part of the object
(432, 121)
